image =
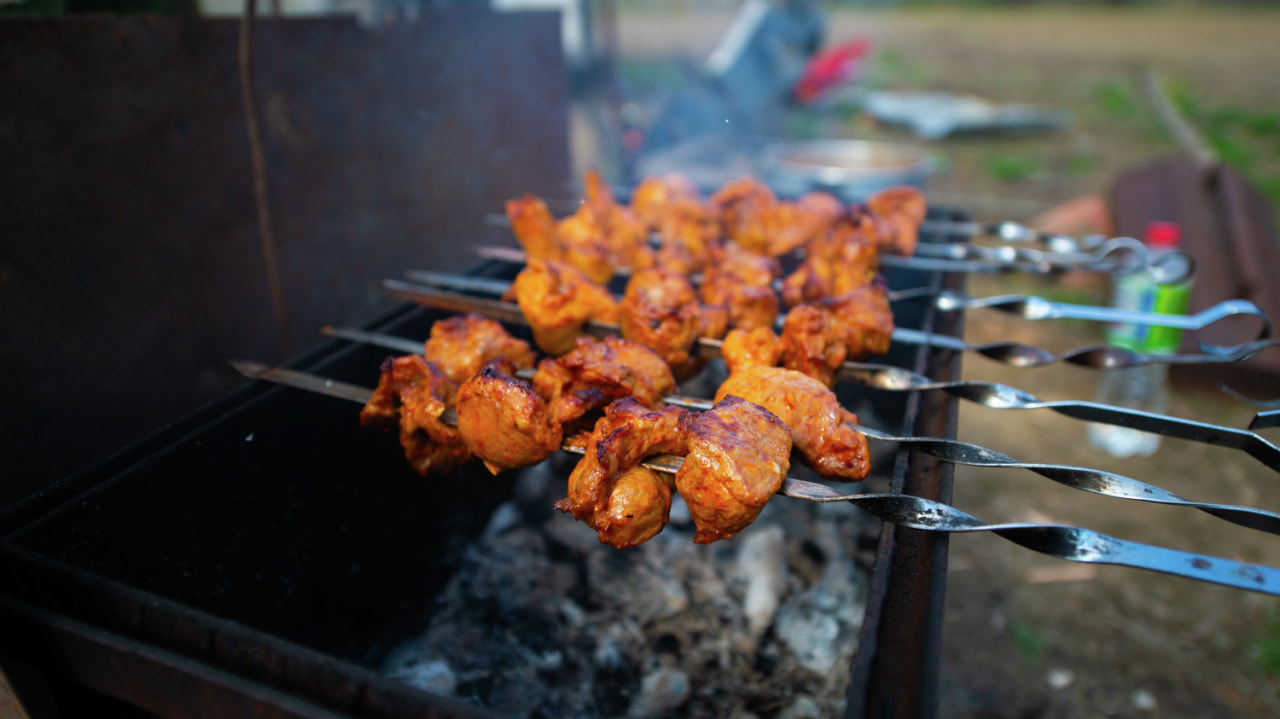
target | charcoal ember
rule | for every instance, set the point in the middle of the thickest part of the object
(540, 619)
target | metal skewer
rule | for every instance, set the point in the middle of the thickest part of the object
(1029, 307)
(1015, 354)
(1003, 230)
(1121, 255)
(988, 394)
(1063, 542)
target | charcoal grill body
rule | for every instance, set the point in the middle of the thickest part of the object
(261, 556)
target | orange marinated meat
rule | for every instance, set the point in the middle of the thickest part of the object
(737, 454)
(504, 422)
(614, 366)
(626, 434)
(660, 310)
(557, 301)
(462, 344)
(821, 429)
(412, 395)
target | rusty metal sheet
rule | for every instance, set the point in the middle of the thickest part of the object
(131, 267)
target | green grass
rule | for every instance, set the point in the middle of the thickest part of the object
(893, 69)
(1012, 167)
(1265, 649)
(1029, 642)
(1244, 138)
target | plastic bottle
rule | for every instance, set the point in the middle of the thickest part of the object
(1146, 387)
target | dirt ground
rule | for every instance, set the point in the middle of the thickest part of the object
(1027, 635)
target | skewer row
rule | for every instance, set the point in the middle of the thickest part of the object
(1063, 542)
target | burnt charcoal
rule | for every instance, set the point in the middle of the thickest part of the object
(765, 663)
(613, 686)
(667, 644)
(543, 620)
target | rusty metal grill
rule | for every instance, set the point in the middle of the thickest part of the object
(261, 556)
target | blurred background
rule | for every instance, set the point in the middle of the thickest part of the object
(135, 259)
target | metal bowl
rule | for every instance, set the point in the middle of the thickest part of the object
(850, 169)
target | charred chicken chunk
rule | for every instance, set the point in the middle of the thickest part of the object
(626, 434)
(613, 366)
(639, 507)
(534, 227)
(742, 283)
(863, 320)
(812, 343)
(412, 394)
(657, 197)
(820, 428)
(736, 457)
(503, 420)
(844, 260)
(625, 235)
(898, 212)
(750, 348)
(582, 244)
(660, 310)
(462, 344)
(558, 300)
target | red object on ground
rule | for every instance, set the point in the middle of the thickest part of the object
(829, 68)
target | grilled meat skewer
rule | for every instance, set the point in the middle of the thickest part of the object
(995, 396)
(1015, 354)
(1070, 543)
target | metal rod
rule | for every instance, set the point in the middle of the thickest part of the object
(1029, 307)
(1070, 543)
(1015, 354)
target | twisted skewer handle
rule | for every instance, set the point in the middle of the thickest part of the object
(1070, 543)
(1001, 396)
(1032, 307)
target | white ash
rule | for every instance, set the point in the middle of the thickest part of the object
(541, 620)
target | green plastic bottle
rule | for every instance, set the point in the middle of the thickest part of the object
(1144, 388)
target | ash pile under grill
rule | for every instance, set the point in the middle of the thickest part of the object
(541, 620)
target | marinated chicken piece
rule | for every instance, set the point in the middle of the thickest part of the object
(690, 234)
(822, 209)
(462, 344)
(599, 236)
(412, 394)
(660, 311)
(625, 235)
(751, 268)
(534, 227)
(737, 198)
(759, 222)
(685, 248)
(503, 420)
(613, 366)
(898, 212)
(557, 301)
(843, 260)
(639, 507)
(582, 244)
(748, 306)
(812, 343)
(737, 455)
(655, 198)
(821, 429)
(863, 320)
(818, 338)
(625, 436)
(749, 348)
